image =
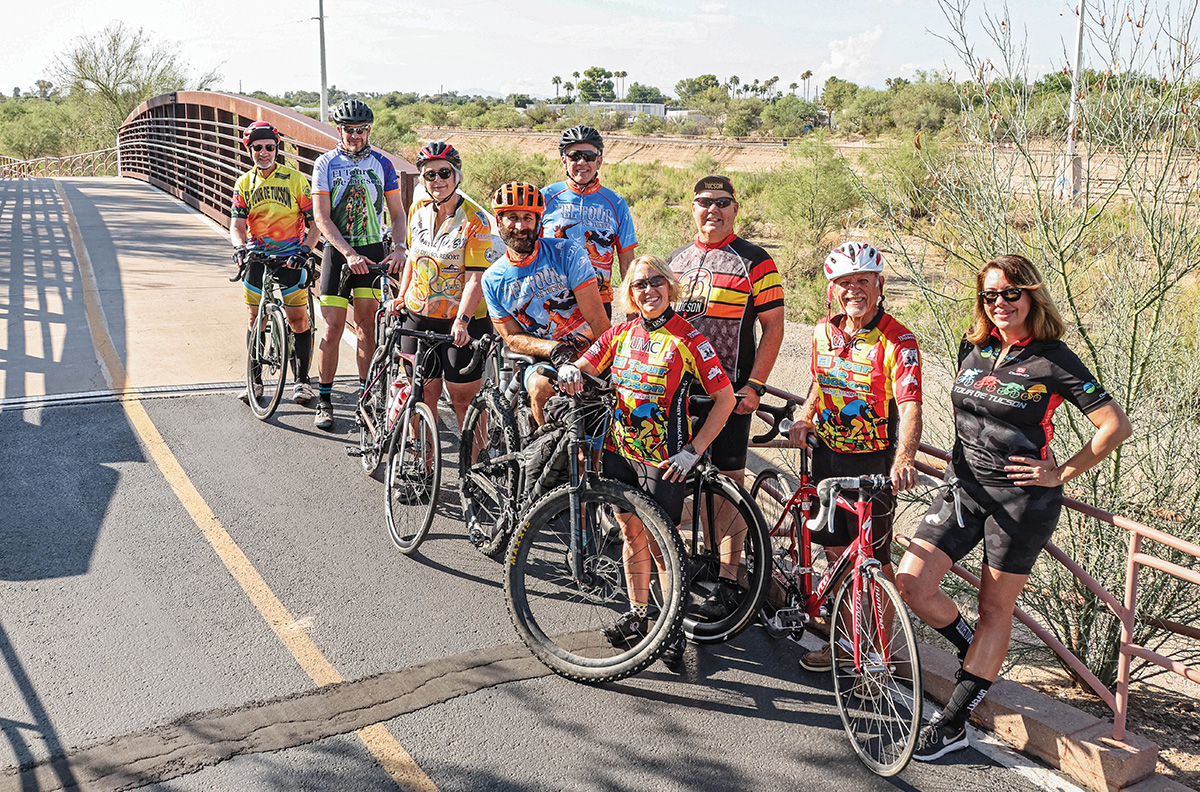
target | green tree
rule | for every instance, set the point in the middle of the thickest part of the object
(789, 116)
(29, 130)
(646, 94)
(837, 94)
(119, 68)
(556, 81)
(689, 88)
(870, 110)
(925, 105)
(597, 86)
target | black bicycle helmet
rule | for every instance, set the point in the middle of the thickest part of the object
(439, 150)
(580, 134)
(352, 111)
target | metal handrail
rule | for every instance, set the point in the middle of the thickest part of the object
(188, 144)
(88, 163)
(1125, 611)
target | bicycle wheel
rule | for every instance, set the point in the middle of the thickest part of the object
(561, 619)
(414, 477)
(372, 407)
(880, 699)
(267, 360)
(487, 489)
(725, 510)
(771, 492)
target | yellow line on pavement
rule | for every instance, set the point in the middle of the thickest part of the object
(382, 745)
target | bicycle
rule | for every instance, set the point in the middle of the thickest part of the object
(876, 667)
(384, 369)
(719, 509)
(414, 458)
(565, 571)
(271, 343)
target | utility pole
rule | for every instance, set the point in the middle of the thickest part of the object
(1069, 183)
(324, 88)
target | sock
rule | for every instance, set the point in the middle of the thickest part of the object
(325, 392)
(303, 355)
(959, 633)
(968, 692)
(640, 610)
(362, 384)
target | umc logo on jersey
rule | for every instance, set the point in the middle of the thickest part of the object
(694, 287)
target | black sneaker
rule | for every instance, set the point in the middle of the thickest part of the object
(939, 738)
(724, 599)
(627, 629)
(672, 656)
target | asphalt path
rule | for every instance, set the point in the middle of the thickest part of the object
(191, 599)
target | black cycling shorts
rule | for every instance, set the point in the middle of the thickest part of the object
(667, 494)
(361, 286)
(731, 446)
(827, 463)
(446, 359)
(1014, 523)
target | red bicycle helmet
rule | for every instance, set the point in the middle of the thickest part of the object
(259, 130)
(439, 150)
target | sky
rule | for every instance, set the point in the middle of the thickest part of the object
(517, 46)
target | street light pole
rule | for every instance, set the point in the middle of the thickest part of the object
(324, 89)
(1073, 165)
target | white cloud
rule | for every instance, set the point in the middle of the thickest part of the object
(852, 58)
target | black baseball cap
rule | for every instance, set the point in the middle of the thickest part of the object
(714, 183)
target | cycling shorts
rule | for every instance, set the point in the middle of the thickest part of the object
(731, 446)
(291, 284)
(363, 287)
(1014, 523)
(827, 463)
(667, 494)
(445, 360)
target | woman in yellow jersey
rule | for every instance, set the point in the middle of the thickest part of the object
(450, 244)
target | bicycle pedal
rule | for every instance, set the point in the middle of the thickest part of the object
(353, 451)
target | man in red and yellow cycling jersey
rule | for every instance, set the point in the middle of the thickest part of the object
(272, 213)
(864, 406)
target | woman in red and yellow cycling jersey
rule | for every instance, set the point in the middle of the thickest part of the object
(653, 360)
(450, 244)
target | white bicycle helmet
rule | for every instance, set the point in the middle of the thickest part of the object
(850, 257)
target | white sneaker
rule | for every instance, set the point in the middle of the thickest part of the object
(244, 396)
(302, 393)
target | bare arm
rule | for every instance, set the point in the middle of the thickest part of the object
(325, 226)
(516, 339)
(238, 232)
(623, 259)
(904, 474)
(397, 256)
(764, 358)
(472, 294)
(723, 403)
(1112, 429)
(591, 305)
(806, 425)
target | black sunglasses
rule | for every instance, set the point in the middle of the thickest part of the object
(440, 173)
(263, 146)
(704, 203)
(356, 130)
(1010, 295)
(653, 282)
(586, 156)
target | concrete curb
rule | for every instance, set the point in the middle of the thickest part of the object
(1063, 737)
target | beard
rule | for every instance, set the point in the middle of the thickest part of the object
(522, 242)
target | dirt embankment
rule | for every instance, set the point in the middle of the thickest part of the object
(674, 152)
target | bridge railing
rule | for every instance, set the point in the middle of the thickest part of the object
(189, 144)
(1124, 608)
(89, 163)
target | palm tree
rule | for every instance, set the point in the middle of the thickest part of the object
(568, 87)
(769, 86)
(755, 89)
(806, 77)
(734, 82)
(793, 88)
(556, 81)
(621, 75)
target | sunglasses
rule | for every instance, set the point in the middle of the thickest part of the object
(440, 173)
(586, 156)
(263, 146)
(645, 284)
(1010, 295)
(721, 203)
(357, 130)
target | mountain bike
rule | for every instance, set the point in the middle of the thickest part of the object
(876, 667)
(270, 346)
(565, 571)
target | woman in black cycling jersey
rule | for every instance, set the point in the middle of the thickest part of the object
(653, 358)
(1013, 370)
(450, 244)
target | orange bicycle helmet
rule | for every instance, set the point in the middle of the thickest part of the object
(518, 197)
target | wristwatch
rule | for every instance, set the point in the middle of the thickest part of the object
(757, 387)
(463, 318)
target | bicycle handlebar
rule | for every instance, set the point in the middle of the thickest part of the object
(478, 345)
(272, 262)
(828, 489)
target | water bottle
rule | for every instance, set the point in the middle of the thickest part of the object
(397, 397)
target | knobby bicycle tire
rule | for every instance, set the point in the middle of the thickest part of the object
(487, 493)
(771, 492)
(268, 353)
(880, 703)
(561, 619)
(413, 477)
(703, 566)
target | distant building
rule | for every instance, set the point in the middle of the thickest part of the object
(627, 109)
